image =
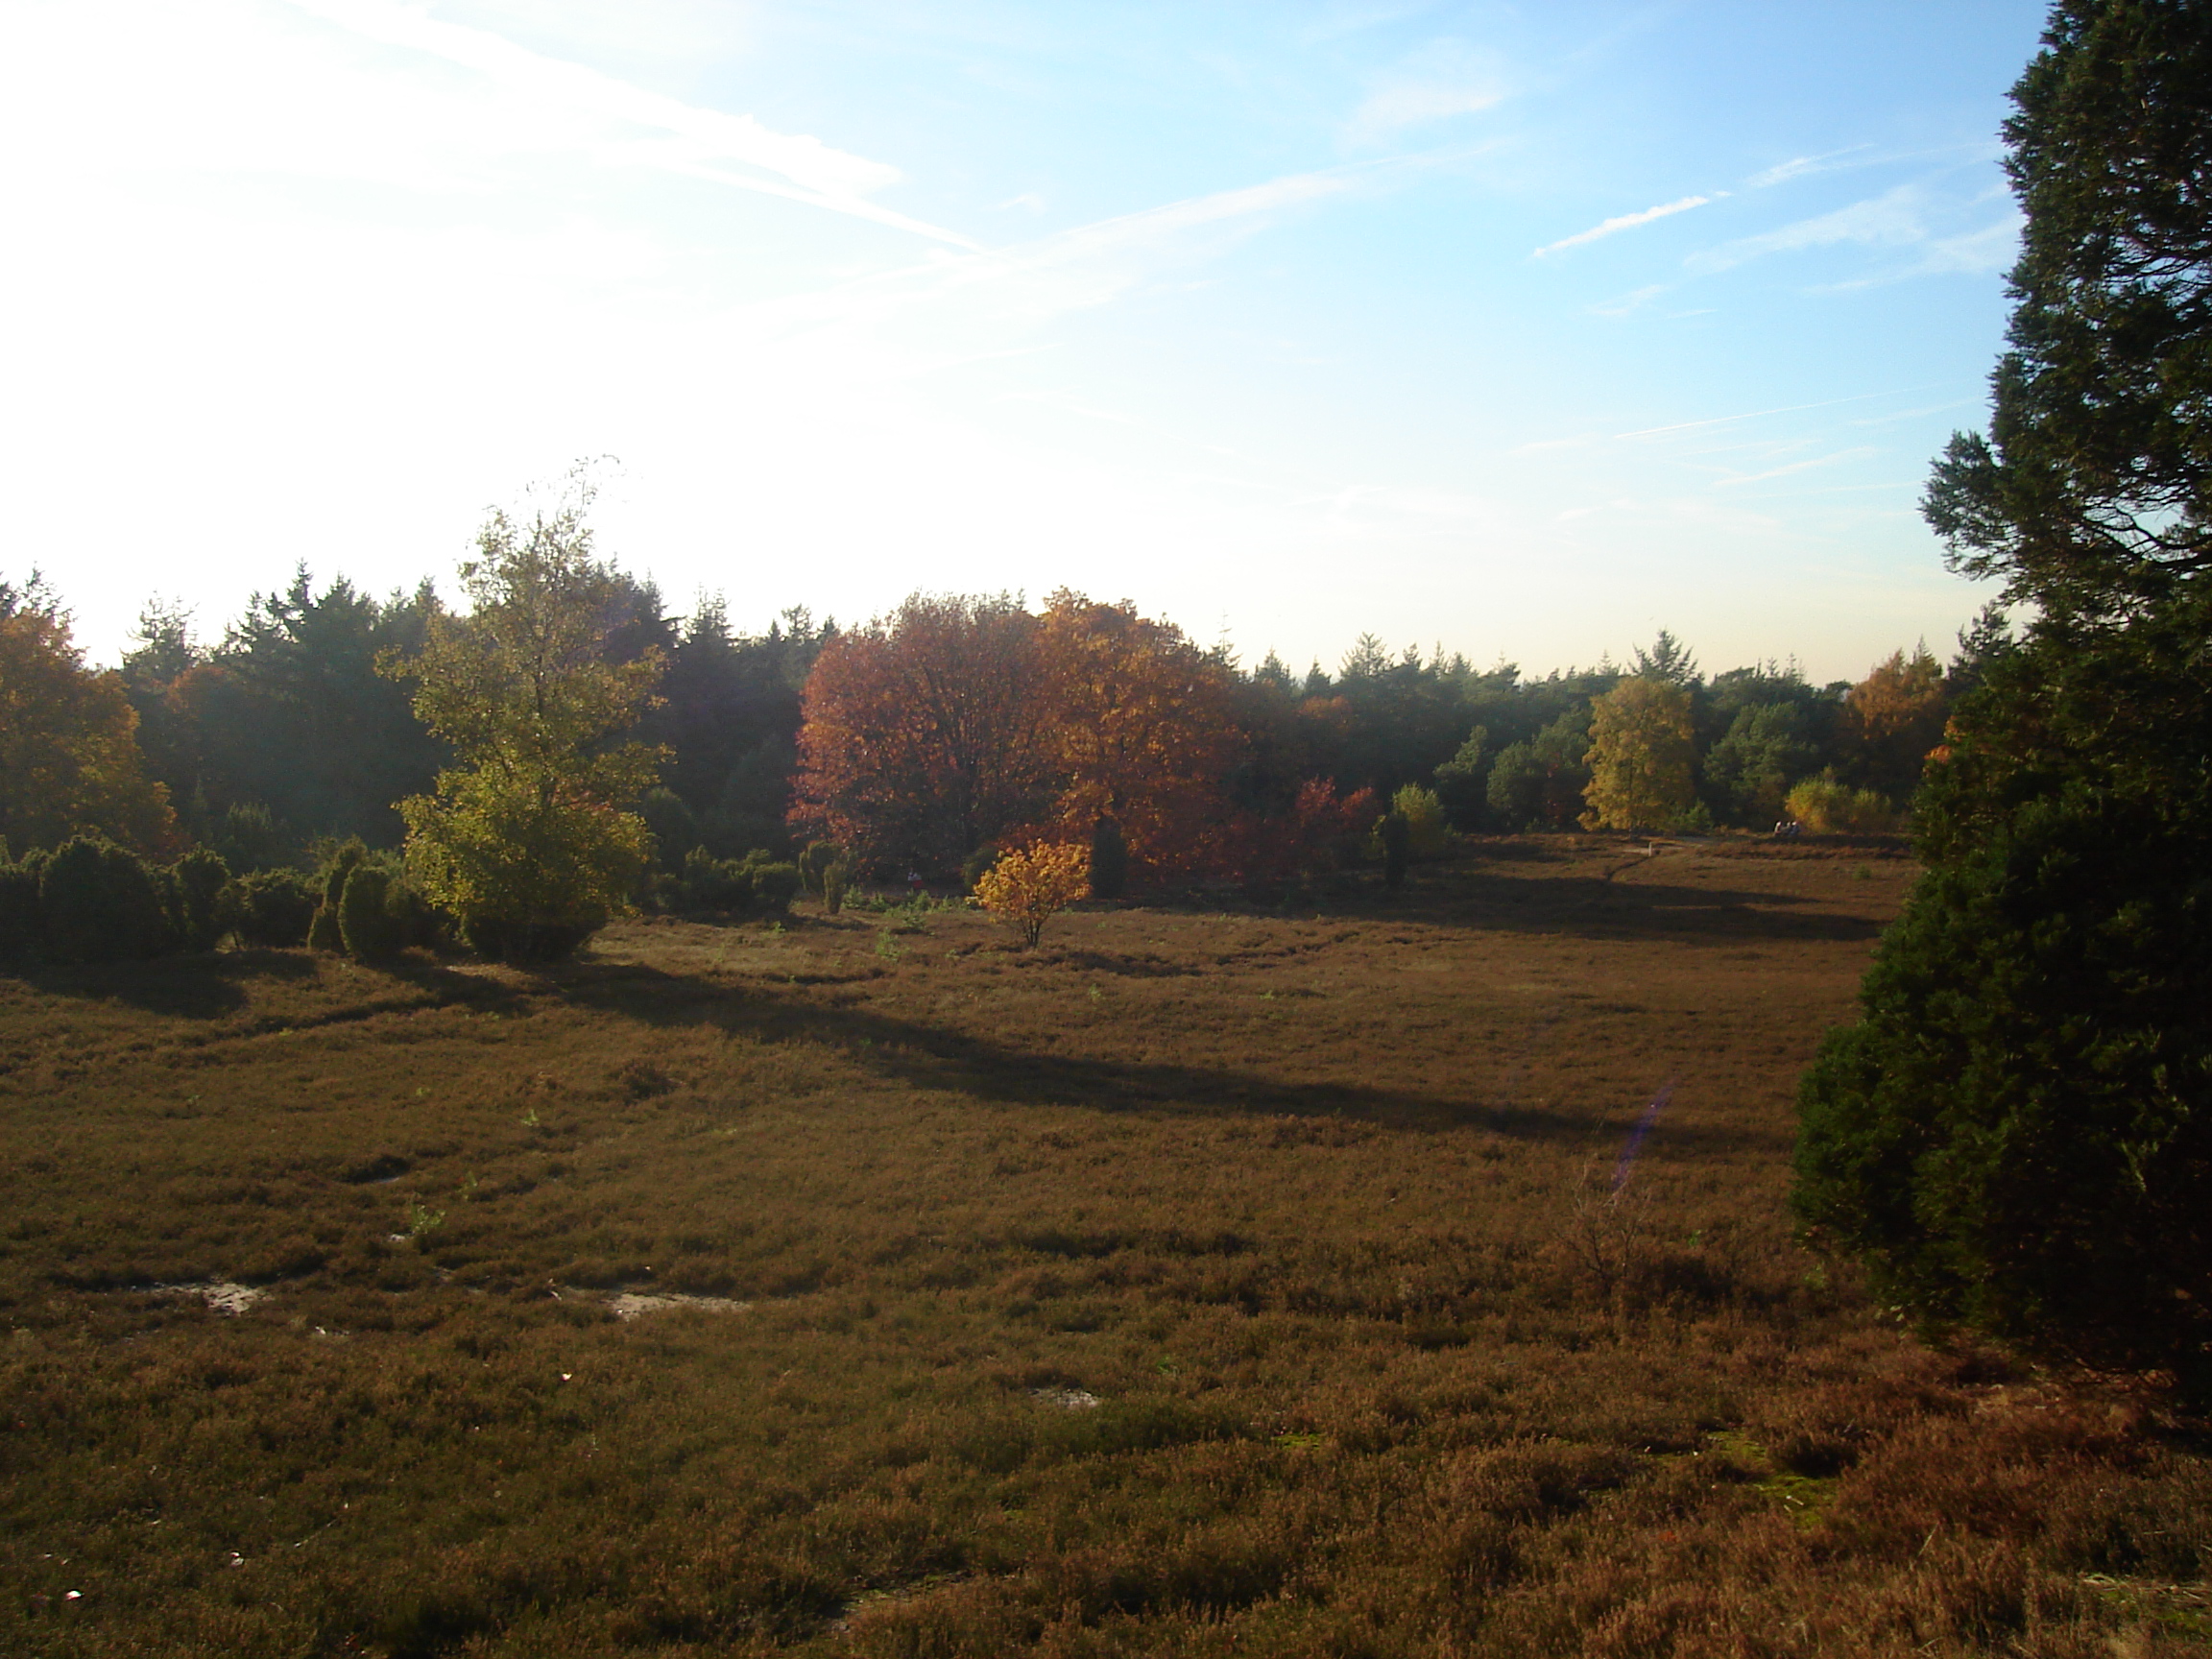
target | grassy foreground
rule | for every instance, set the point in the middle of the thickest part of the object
(1196, 1284)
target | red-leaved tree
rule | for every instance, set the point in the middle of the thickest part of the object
(923, 734)
(957, 722)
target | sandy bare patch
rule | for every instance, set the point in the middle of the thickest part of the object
(1068, 1399)
(636, 1303)
(224, 1295)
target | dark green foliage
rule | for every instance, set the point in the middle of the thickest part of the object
(1537, 783)
(249, 837)
(99, 902)
(1108, 860)
(2019, 1134)
(373, 922)
(834, 881)
(505, 941)
(22, 932)
(1749, 772)
(270, 908)
(757, 884)
(325, 932)
(775, 883)
(289, 712)
(1462, 782)
(2092, 492)
(813, 862)
(1396, 833)
(675, 827)
(196, 882)
(716, 884)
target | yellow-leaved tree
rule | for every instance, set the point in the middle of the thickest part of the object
(1641, 747)
(530, 841)
(1031, 885)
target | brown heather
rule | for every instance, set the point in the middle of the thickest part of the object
(1314, 1206)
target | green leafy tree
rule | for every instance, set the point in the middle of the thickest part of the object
(530, 841)
(2018, 1134)
(1764, 752)
(1642, 749)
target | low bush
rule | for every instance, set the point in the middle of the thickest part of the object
(324, 932)
(757, 884)
(21, 930)
(1428, 835)
(195, 885)
(814, 863)
(270, 908)
(99, 902)
(369, 921)
(1828, 808)
(1395, 834)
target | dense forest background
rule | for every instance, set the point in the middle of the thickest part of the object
(280, 736)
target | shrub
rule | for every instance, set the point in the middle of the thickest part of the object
(101, 904)
(250, 837)
(756, 883)
(1030, 886)
(1396, 836)
(324, 932)
(1108, 860)
(775, 883)
(813, 863)
(675, 827)
(506, 939)
(196, 883)
(706, 882)
(270, 908)
(372, 914)
(1827, 808)
(1423, 809)
(2018, 1135)
(21, 931)
(835, 878)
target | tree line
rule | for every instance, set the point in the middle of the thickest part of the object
(927, 734)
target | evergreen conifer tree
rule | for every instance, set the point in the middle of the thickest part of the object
(2018, 1134)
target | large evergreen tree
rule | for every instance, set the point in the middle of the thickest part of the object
(2018, 1134)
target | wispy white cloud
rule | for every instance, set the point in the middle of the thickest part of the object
(1836, 459)
(1750, 415)
(1628, 221)
(1445, 79)
(701, 143)
(1629, 302)
(1897, 218)
(1801, 167)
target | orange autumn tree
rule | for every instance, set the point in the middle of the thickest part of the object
(921, 735)
(69, 756)
(1142, 731)
(960, 722)
(1892, 718)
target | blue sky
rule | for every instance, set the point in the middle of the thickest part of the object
(1522, 330)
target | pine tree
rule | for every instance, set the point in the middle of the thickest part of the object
(2018, 1134)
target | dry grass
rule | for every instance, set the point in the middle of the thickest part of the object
(1319, 1208)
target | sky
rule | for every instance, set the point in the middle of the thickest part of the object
(1520, 331)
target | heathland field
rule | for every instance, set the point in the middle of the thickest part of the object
(1202, 1282)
